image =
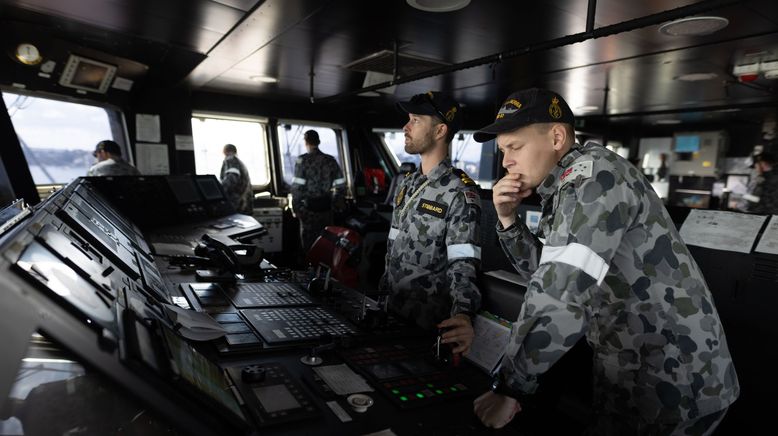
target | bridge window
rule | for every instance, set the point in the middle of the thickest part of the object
(58, 137)
(465, 154)
(291, 143)
(249, 136)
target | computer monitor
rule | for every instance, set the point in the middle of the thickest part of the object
(87, 74)
(210, 188)
(184, 189)
(687, 144)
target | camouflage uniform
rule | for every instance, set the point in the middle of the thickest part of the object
(764, 198)
(317, 182)
(434, 249)
(237, 185)
(115, 166)
(613, 268)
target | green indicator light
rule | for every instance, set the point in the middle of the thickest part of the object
(438, 391)
(429, 385)
(395, 391)
(403, 398)
(453, 389)
(420, 395)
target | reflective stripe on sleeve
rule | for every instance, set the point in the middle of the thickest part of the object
(579, 256)
(751, 198)
(340, 181)
(298, 181)
(458, 251)
(232, 171)
(393, 233)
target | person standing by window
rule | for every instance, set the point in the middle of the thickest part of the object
(318, 183)
(236, 182)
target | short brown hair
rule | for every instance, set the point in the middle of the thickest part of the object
(545, 127)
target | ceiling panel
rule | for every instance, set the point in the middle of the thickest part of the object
(286, 38)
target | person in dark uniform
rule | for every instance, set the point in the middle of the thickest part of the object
(317, 185)
(433, 248)
(236, 181)
(764, 197)
(608, 264)
(110, 162)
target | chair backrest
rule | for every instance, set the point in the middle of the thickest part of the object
(405, 167)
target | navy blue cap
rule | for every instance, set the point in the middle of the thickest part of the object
(435, 104)
(525, 107)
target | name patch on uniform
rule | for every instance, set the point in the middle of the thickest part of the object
(583, 169)
(432, 208)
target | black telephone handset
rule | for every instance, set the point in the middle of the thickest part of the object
(218, 252)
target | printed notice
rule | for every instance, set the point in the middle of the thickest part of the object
(491, 339)
(147, 128)
(152, 159)
(184, 142)
(720, 230)
(769, 241)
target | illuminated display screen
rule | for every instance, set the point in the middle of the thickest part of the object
(687, 144)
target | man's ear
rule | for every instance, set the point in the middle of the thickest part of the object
(441, 130)
(559, 136)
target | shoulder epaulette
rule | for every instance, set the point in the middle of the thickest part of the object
(463, 177)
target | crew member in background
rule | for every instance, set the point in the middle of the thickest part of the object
(317, 186)
(612, 268)
(110, 162)
(433, 249)
(764, 197)
(236, 181)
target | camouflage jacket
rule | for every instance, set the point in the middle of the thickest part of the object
(113, 167)
(764, 198)
(433, 250)
(614, 268)
(237, 185)
(317, 176)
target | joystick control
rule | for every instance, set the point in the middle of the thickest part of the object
(253, 374)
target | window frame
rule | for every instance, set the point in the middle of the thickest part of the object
(341, 137)
(117, 122)
(231, 116)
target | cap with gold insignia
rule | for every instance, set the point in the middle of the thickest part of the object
(525, 107)
(438, 105)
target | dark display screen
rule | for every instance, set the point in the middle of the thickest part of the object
(210, 188)
(184, 189)
(276, 398)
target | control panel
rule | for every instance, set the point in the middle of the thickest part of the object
(410, 376)
(271, 394)
(296, 324)
(272, 218)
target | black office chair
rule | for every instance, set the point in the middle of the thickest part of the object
(405, 167)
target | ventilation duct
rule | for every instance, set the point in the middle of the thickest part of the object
(383, 62)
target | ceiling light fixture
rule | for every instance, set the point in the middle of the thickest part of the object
(263, 79)
(438, 5)
(696, 77)
(667, 122)
(693, 26)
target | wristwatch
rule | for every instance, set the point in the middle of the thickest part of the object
(499, 387)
